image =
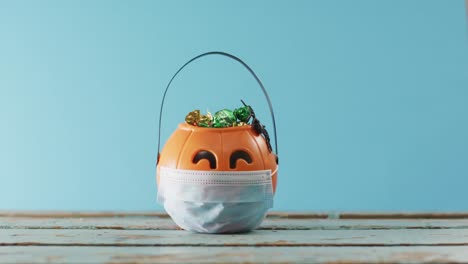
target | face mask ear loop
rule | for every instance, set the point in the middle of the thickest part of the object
(243, 64)
(273, 173)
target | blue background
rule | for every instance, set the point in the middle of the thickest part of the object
(371, 98)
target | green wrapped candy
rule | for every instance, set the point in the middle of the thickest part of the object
(206, 120)
(243, 113)
(224, 118)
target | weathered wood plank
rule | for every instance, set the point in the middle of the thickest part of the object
(283, 237)
(137, 223)
(82, 237)
(164, 223)
(33, 254)
(409, 215)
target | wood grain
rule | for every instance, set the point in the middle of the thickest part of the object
(54, 254)
(271, 223)
(164, 238)
(144, 237)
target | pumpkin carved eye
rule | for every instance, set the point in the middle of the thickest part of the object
(239, 154)
(204, 154)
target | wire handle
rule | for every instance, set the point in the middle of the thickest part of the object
(243, 64)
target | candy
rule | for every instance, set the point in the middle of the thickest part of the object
(206, 120)
(243, 113)
(242, 124)
(224, 118)
(193, 117)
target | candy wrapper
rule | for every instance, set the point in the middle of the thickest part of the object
(224, 118)
(193, 117)
(227, 118)
(243, 113)
(242, 124)
(206, 120)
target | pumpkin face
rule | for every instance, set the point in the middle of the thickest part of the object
(219, 149)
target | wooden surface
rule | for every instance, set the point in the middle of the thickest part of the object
(52, 237)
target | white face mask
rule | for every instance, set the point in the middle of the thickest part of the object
(216, 201)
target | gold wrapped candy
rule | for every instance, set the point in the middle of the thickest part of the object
(206, 120)
(193, 117)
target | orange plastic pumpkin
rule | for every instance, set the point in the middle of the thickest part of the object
(220, 149)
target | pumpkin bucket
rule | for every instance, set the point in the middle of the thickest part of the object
(217, 180)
